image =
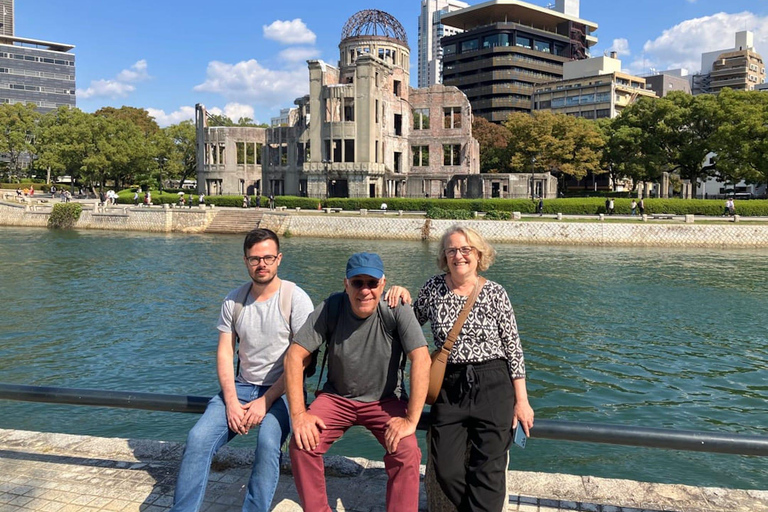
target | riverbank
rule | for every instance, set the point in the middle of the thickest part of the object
(591, 231)
(60, 472)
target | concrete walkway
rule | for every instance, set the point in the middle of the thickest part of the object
(65, 473)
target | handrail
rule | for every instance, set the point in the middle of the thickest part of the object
(687, 440)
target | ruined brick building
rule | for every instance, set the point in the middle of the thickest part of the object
(362, 131)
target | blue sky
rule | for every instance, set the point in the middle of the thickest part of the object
(248, 57)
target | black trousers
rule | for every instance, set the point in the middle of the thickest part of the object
(474, 411)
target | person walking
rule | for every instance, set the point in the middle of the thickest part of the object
(641, 206)
(255, 314)
(366, 344)
(633, 207)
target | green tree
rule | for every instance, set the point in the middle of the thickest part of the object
(493, 139)
(741, 141)
(223, 120)
(138, 116)
(18, 128)
(178, 157)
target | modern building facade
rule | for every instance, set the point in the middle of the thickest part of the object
(360, 132)
(34, 71)
(591, 88)
(668, 81)
(507, 47)
(740, 68)
(431, 31)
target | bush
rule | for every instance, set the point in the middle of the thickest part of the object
(64, 215)
(497, 215)
(440, 213)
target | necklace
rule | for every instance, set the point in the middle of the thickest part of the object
(459, 290)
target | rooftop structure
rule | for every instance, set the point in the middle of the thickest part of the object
(507, 47)
(740, 68)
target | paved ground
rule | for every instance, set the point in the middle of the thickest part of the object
(64, 473)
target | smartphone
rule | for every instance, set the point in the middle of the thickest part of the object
(519, 437)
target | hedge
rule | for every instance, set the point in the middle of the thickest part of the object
(64, 215)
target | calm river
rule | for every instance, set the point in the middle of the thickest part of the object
(651, 337)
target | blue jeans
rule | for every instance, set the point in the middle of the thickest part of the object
(211, 433)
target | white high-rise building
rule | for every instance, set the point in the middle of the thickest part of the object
(431, 30)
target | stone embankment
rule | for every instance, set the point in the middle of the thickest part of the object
(66, 473)
(394, 226)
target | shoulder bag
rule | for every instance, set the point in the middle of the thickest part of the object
(440, 355)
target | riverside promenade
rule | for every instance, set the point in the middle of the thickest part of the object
(68, 473)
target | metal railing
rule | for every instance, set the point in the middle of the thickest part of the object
(688, 440)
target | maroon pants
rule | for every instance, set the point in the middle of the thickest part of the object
(339, 414)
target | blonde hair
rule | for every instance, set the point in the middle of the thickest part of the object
(485, 253)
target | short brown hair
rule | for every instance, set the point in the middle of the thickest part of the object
(486, 253)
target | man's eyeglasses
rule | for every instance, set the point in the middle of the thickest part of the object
(452, 251)
(255, 260)
(358, 284)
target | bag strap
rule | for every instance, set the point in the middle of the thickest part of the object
(453, 334)
(286, 303)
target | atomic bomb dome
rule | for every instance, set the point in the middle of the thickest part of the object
(372, 22)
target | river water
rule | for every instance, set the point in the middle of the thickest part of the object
(667, 338)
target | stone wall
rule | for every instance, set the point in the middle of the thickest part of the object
(393, 227)
(161, 220)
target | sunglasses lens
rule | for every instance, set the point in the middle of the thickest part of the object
(359, 283)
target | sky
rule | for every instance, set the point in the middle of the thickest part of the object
(247, 58)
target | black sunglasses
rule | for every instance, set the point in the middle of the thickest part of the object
(367, 283)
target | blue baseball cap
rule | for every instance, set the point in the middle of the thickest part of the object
(367, 263)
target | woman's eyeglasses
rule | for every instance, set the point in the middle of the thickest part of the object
(464, 251)
(255, 260)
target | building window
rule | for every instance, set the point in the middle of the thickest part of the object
(397, 87)
(469, 46)
(420, 156)
(336, 150)
(376, 152)
(449, 49)
(376, 111)
(349, 109)
(452, 117)
(496, 40)
(451, 154)
(349, 150)
(398, 162)
(542, 46)
(398, 124)
(421, 119)
(523, 42)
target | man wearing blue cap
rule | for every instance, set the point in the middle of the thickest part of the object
(366, 346)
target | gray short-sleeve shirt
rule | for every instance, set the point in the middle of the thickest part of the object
(264, 334)
(363, 355)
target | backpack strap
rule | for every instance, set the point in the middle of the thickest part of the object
(286, 303)
(387, 315)
(333, 306)
(241, 296)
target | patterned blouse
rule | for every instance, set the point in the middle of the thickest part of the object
(490, 331)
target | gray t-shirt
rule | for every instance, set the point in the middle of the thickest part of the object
(363, 357)
(264, 334)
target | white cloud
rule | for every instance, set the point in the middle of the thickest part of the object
(289, 32)
(250, 82)
(234, 111)
(117, 87)
(136, 73)
(620, 46)
(298, 54)
(182, 114)
(682, 45)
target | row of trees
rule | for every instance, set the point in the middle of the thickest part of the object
(671, 134)
(122, 145)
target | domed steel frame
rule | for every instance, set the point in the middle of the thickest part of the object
(372, 22)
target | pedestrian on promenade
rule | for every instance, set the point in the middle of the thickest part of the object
(484, 396)
(136, 199)
(201, 200)
(246, 201)
(540, 207)
(641, 206)
(611, 209)
(633, 206)
(258, 200)
(271, 201)
(366, 343)
(262, 314)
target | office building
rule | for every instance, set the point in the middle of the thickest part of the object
(431, 31)
(664, 82)
(591, 88)
(34, 71)
(740, 68)
(509, 46)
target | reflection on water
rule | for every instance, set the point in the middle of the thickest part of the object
(651, 337)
